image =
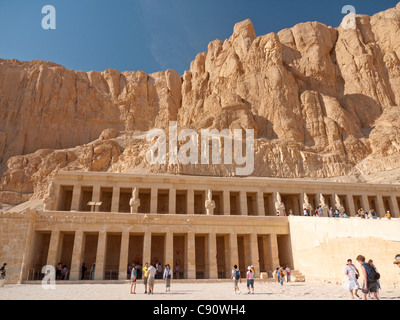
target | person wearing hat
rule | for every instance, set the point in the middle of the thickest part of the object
(397, 260)
(250, 280)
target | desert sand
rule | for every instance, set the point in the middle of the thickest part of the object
(199, 290)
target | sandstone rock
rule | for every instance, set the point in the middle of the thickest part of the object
(323, 102)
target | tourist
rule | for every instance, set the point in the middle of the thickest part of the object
(167, 277)
(387, 215)
(151, 276)
(352, 275)
(250, 280)
(83, 271)
(368, 283)
(345, 215)
(320, 212)
(281, 273)
(371, 263)
(158, 267)
(92, 271)
(290, 212)
(305, 212)
(287, 272)
(330, 212)
(397, 260)
(145, 273)
(176, 271)
(372, 214)
(278, 213)
(3, 271)
(236, 277)
(133, 279)
(64, 272)
(58, 271)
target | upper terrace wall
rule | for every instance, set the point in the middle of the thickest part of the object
(321, 246)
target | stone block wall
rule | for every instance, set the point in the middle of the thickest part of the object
(321, 246)
(14, 230)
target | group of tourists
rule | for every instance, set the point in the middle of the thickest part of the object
(334, 212)
(237, 278)
(368, 275)
(282, 273)
(149, 273)
(62, 271)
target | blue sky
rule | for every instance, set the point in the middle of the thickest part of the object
(149, 35)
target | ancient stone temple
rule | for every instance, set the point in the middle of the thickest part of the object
(323, 106)
(203, 224)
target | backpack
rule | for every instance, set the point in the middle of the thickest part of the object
(372, 275)
(237, 274)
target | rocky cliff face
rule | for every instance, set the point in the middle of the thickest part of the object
(323, 102)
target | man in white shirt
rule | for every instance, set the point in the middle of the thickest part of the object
(152, 275)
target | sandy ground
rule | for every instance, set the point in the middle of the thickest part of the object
(186, 291)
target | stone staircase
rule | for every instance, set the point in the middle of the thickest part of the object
(297, 276)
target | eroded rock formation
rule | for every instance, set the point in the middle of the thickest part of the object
(324, 103)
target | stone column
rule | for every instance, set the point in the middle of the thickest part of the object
(190, 202)
(227, 202)
(101, 256)
(153, 200)
(274, 251)
(243, 203)
(365, 203)
(233, 249)
(212, 254)
(76, 197)
(115, 199)
(169, 250)
(172, 201)
(301, 200)
(352, 208)
(191, 256)
(54, 248)
(380, 211)
(96, 197)
(147, 247)
(254, 256)
(260, 204)
(123, 256)
(394, 206)
(77, 253)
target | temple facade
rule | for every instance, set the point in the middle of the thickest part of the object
(204, 225)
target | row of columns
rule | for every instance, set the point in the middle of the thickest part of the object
(190, 263)
(243, 209)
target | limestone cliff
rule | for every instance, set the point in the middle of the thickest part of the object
(324, 103)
